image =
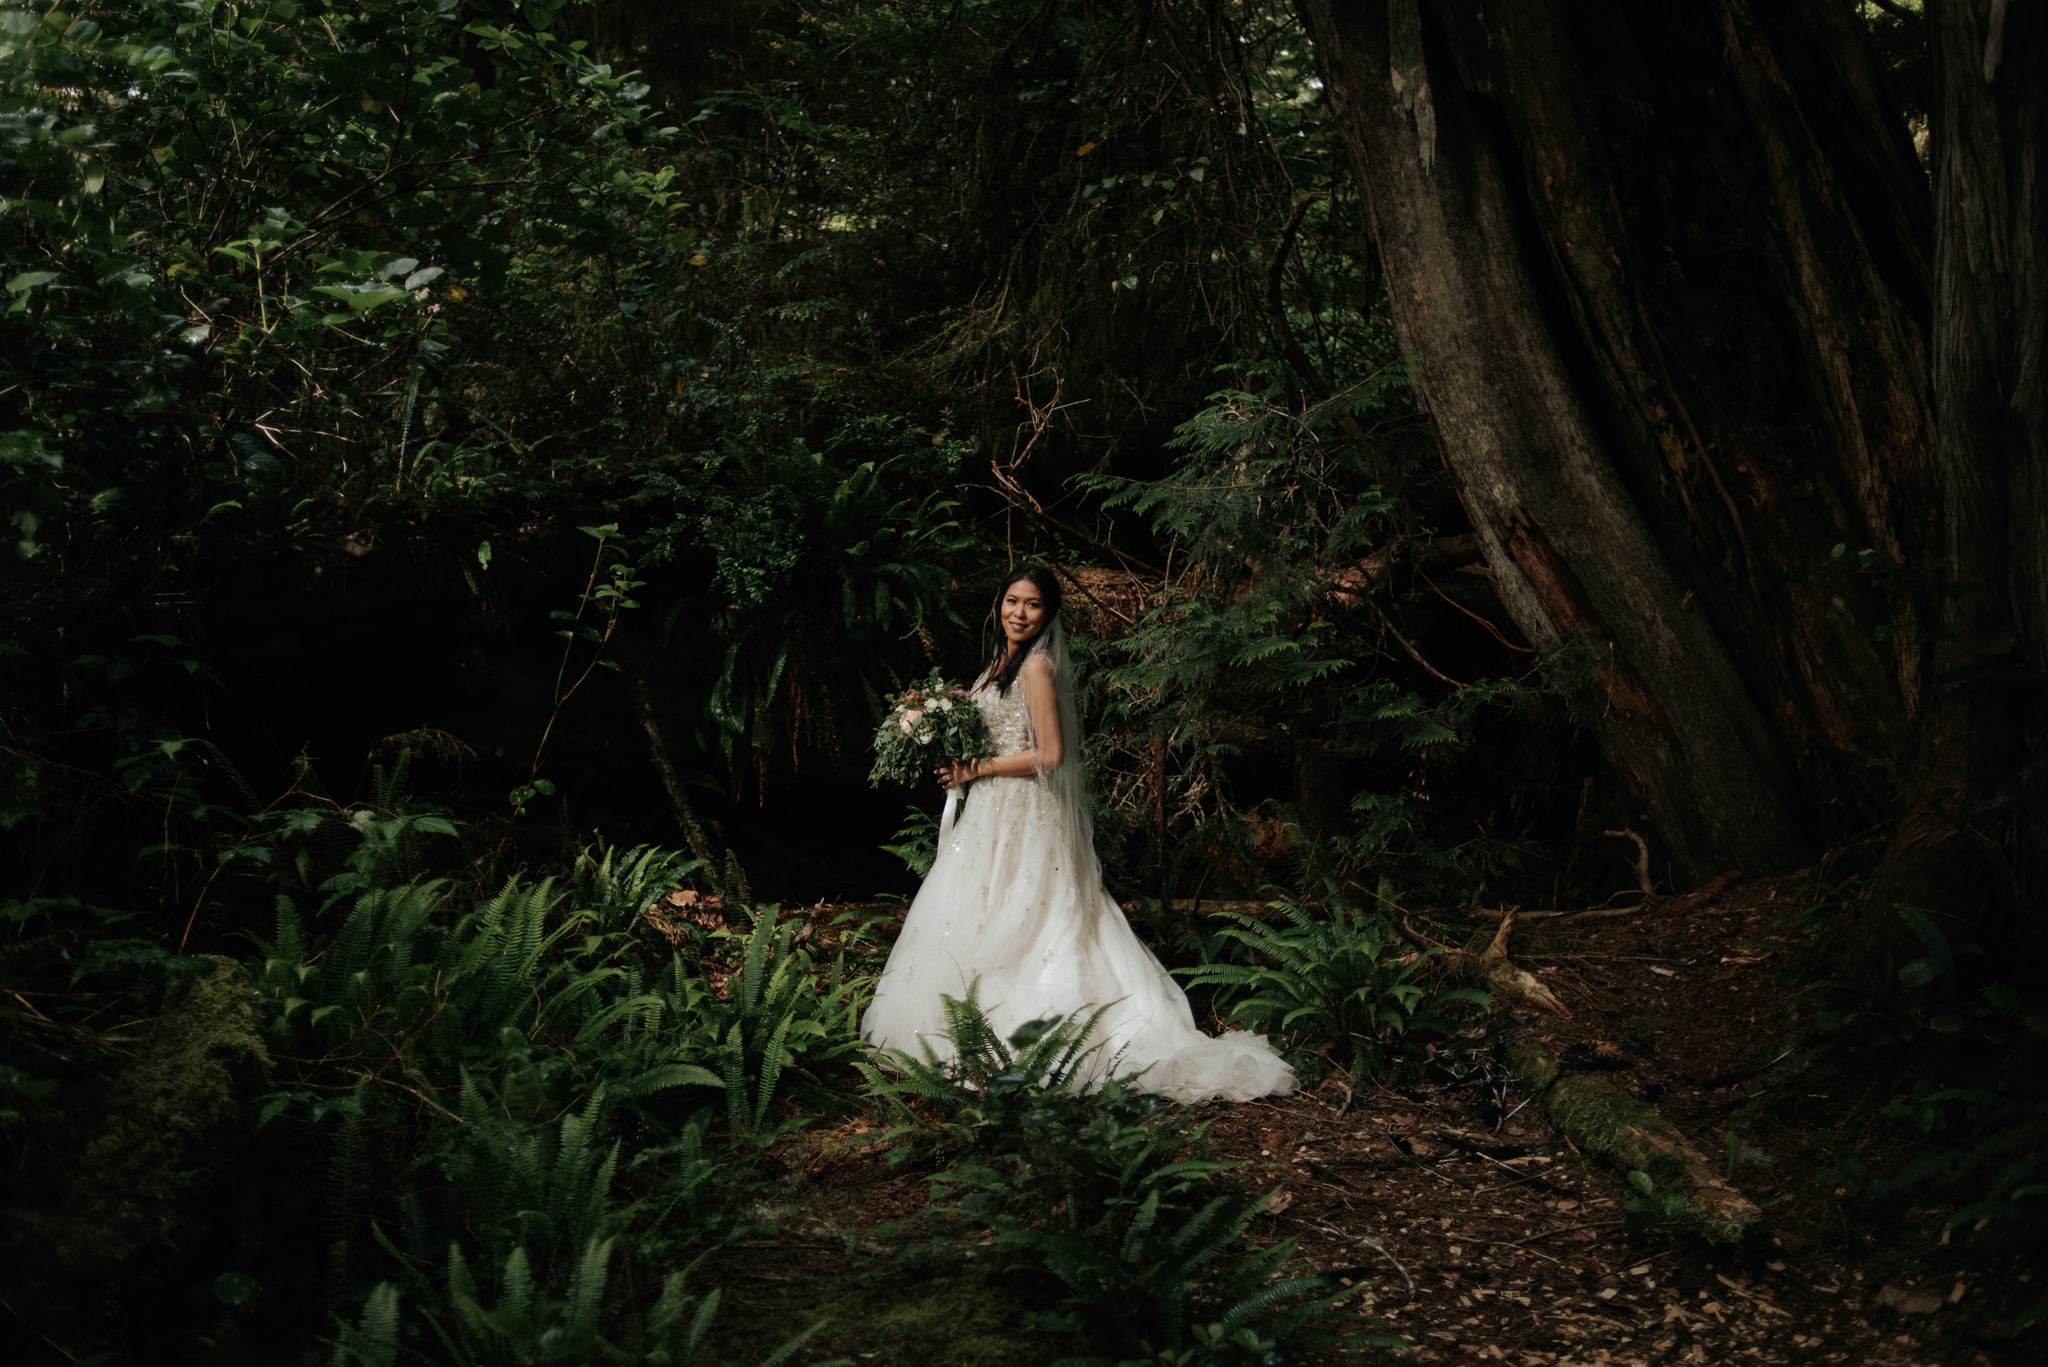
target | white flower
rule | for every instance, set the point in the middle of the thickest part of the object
(943, 705)
(925, 739)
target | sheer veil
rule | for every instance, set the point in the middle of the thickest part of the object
(1068, 783)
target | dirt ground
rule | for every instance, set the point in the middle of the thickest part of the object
(1516, 1254)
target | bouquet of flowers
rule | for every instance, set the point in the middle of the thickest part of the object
(931, 721)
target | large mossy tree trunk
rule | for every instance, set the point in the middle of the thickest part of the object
(1667, 267)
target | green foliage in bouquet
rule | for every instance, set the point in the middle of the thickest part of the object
(929, 721)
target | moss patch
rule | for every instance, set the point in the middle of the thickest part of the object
(176, 1112)
(881, 1319)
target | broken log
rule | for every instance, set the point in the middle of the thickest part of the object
(1506, 979)
(1628, 1132)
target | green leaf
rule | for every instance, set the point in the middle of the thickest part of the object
(361, 298)
(25, 448)
(28, 280)
(1919, 973)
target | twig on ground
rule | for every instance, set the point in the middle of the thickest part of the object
(1364, 1241)
(68, 1354)
(1561, 1229)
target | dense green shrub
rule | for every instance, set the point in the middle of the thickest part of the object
(1327, 973)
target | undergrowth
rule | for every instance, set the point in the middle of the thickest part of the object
(419, 1121)
(1325, 970)
(1099, 1203)
(451, 1128)
(1973, 1094)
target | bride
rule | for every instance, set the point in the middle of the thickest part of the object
(1015, 897)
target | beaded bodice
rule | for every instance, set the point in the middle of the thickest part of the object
(1008, 718)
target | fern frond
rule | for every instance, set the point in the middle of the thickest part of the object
(760, 943)
(374, 1342)
(357, 942)
(735, 1077)
(586, 1290)
(461, 1283)
(663, 1076)
(1255, 1306)
(791, 1348)
(516, 1294)
(1072, 1039)
(773, 1059)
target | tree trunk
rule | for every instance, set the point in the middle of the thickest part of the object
(1990, 127)
(1664, 264)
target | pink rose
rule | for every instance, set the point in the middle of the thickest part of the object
(910, 719)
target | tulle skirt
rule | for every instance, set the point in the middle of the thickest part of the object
(1003, 905)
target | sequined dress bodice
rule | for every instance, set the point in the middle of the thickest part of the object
(1009, 720)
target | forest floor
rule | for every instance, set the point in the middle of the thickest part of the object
(1519, 1257)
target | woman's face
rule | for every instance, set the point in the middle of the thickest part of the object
(1022, 612)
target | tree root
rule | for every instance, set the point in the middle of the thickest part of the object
(1602, 1119)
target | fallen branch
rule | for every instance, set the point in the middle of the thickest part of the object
(1642, 864)
(1493, 970)
(1557, 914)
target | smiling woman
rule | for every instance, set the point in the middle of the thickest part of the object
(1014, 903)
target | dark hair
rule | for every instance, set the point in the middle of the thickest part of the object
(1048, 588)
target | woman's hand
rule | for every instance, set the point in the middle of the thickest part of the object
(954, 773)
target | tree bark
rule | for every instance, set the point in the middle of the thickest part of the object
(1990, 138)
(638, 666)
(1664, 265)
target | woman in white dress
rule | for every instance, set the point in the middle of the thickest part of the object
(1015, 898)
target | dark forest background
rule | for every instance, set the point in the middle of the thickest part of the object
(1498, 452)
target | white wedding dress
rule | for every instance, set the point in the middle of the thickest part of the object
(1015, 900)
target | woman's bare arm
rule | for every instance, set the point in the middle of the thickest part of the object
(1043, 700)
